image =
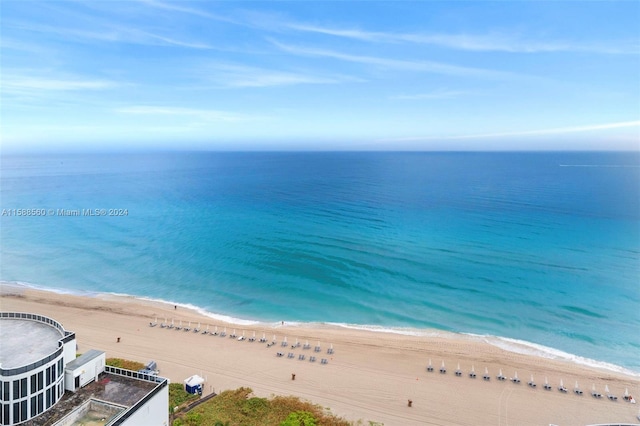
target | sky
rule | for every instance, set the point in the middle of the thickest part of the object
(328, 75)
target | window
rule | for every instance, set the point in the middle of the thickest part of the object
(40, 403)
(16, 389)
(34, 383)
(23, 388)
(23, 410)
(53, 373)
(5, 391)
(5, 415)
(48, 398)
(16, 412)
(48, 376)
(40, 381)
(34, 406)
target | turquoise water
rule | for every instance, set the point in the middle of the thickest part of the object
(540, 247)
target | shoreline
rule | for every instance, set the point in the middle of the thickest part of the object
(508, 344)
(370, 376)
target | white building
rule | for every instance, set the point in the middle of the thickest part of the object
(33, 354)
(38, 363)
(84, 369)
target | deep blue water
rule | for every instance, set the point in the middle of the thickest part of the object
(542, 247)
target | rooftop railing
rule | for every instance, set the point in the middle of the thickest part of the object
(67, 337)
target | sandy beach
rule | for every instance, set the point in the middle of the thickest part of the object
(370, 376)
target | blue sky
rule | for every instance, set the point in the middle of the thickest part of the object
(335, 75)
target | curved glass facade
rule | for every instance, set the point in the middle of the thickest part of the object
(28, 391)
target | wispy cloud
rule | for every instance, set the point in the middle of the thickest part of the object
(239, 76)
(437, 94)
(113, 34)
(492, 42)
(7, 43)
(539, 132)
(398, 64)
(17, 83)
(207, 115)
(187, 10)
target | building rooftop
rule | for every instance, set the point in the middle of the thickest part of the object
(110, 388)
(25, 342)
(83, 359)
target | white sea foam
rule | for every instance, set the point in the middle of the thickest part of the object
(199, 310)
(406, 331)
(535, 349)
(19, 286)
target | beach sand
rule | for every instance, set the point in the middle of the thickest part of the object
(369, 377)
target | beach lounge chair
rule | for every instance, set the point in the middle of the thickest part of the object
(154, 323)
(317, 348)
(458, 371)
(515, 378)
(240, 339)
(284, 343)
(561, 388)
(577, 390)
(500, 376)
(164, 324)
(628, 397)
(171, 325)
(290, 355)
(595, 393)
(472, 373)
(531, 383)
(443, 370)
(547, 386)
(224, 333)
(263, 339)
(323, 361)
(430, 367)
(188, 328)
(306, 345)
(279, 354)
(253, 338)
(330, 350)
(233, 334)
(312, 359)
(486, 375)
(609, 395)
(179, 327)
(301, 357)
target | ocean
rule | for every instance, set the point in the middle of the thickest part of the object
(540, 249)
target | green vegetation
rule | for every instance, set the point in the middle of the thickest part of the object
(239, 407)
(124, 363)
(299, 418)
(178, 396)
